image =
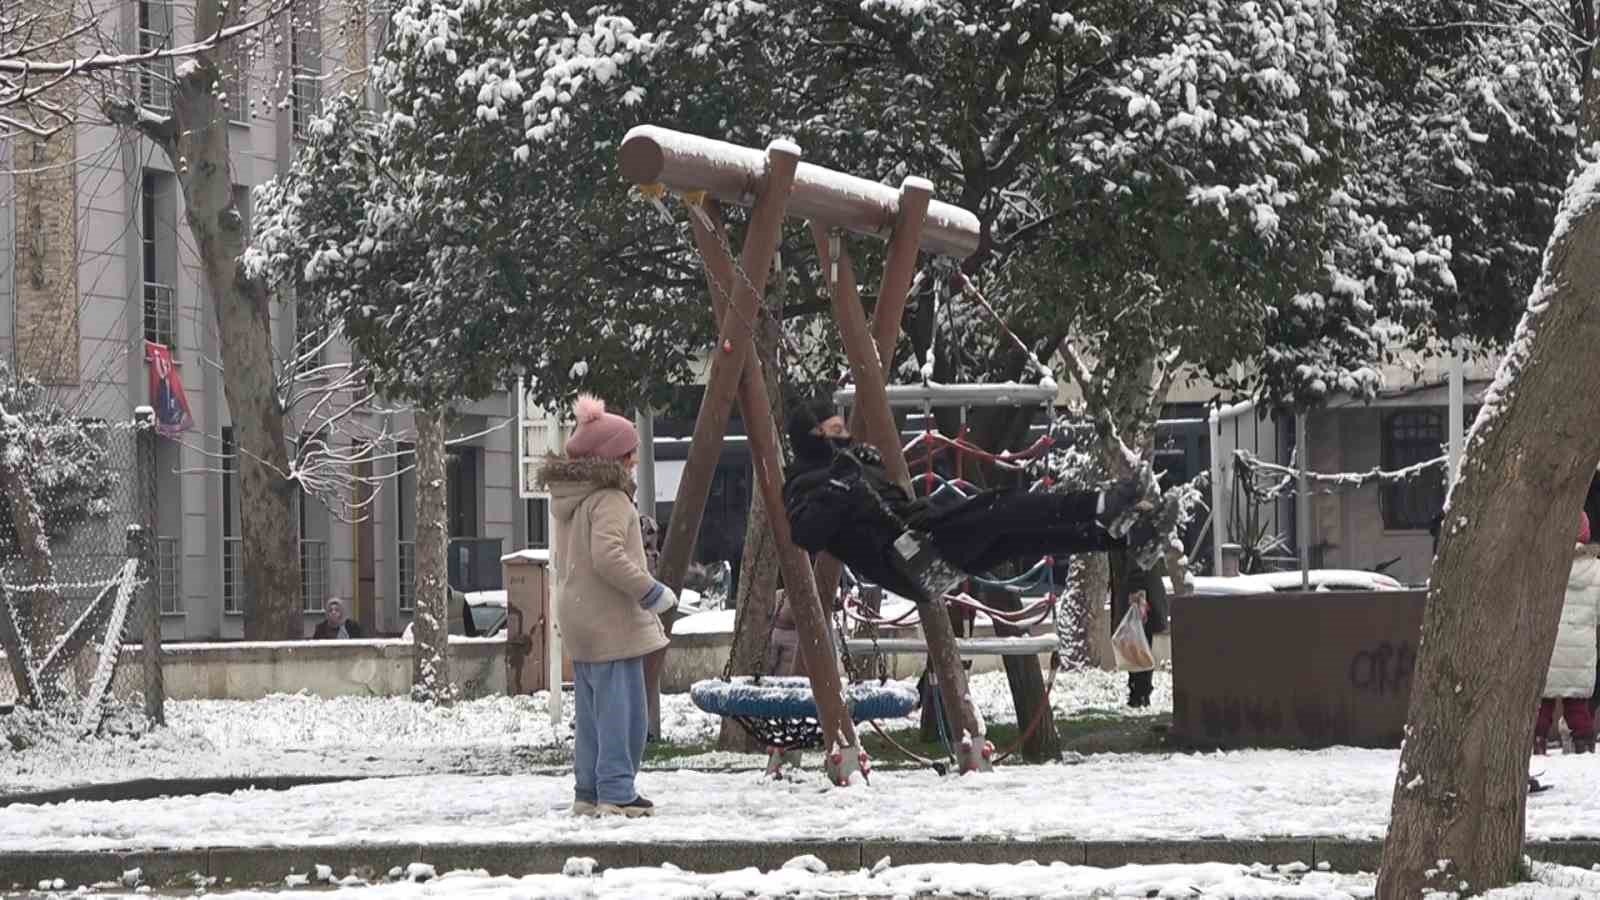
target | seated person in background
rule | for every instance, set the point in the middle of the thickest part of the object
(783, 651)
(334, 624)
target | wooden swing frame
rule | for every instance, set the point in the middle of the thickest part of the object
(775, 184)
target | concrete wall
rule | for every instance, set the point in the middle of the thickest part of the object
(366, 668)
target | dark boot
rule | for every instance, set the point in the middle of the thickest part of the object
(1541, 745)
(1140, 686)
(915, 557)
(1584, 744)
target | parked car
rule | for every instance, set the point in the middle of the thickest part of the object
(1329, 580)
(474, 614)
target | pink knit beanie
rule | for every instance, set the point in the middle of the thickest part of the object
(1583, 527)
(599, 433)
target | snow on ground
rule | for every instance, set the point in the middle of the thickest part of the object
(808, 877)
(800, 879)
(303, 735)
(1240, 795)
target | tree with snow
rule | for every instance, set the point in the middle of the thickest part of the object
(432, 232)
(1459, 812)
(194, 137)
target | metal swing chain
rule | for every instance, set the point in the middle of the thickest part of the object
(694, 201)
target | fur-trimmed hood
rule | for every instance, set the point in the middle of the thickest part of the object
(571, 480)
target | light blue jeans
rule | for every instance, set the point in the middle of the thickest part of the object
(609, 730)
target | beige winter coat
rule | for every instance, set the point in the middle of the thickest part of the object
(1572, 665)
(599, 560)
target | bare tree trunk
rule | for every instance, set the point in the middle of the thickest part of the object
(38, 606)
(1498, 584)
(1083, 616)
(195, 141)
(430, 624)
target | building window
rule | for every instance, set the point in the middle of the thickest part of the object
(405, 495)
(236, 81)
(305, 66)
(308, 337)
(461, 490)
(313, 574)
(159, 245)
(314, 535)
(155, 75)
(538, 523)
(232, 542)
(167, 574)
(1410, 437)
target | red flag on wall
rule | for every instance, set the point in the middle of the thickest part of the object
(166, 392)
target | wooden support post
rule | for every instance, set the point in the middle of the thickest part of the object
(899, 269)
(872, 404)
(734, 345)
(872, 399)
(845, 756)
(900, 265)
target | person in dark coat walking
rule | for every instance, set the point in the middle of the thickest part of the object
(1130, 585)
(840, 498)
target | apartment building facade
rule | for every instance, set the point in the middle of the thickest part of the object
(96, 259)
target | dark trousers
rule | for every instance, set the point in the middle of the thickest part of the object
(996, 527)
(1580, 719)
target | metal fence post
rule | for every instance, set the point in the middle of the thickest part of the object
(141, 537)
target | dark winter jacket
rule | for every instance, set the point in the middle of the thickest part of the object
(327, 631)
(834, 505)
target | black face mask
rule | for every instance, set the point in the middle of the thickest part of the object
(839, 443)
(812, 447)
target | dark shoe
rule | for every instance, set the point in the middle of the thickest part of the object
(913, 556)
(637, 809)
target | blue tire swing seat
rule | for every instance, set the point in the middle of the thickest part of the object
(781, 712)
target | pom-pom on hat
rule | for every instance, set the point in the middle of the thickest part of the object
(599, 433)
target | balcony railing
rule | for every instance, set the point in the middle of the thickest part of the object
(313, 575)
(155, 75)
(160, 315)
(167, 573)
(233, 575)
(407, 556)
(305, 100)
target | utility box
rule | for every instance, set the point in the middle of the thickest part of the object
(531, 639)
(1293, 669)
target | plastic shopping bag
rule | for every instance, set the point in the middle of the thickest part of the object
(1129, 643)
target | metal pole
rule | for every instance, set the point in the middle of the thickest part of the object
(645, 474)
(1458, 414)
(1218, 528)
(1302, 501)
(144, 436)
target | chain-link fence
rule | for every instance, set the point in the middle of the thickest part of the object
(84, 581)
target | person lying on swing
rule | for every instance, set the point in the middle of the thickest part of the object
(840, 498)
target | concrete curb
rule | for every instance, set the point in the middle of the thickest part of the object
(153, 788)
(241, 866)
